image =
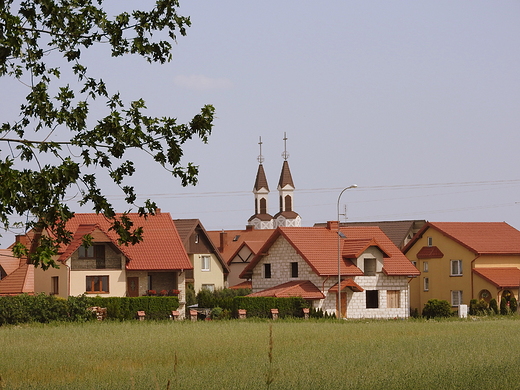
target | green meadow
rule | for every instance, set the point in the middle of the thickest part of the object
(289, 354)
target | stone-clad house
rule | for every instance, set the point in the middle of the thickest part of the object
(303, 261)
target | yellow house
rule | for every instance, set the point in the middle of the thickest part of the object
(210, 271)
(156, 266)
(461, 261)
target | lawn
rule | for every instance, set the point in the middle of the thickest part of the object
(400, 354)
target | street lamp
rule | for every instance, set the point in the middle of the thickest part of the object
(339, 252)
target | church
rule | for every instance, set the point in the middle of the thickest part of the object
(286, 216)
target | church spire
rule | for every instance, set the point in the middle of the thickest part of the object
(286, 216)
(261, 219)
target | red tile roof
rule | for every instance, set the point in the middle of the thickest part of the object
(478, 237)
(319, 247)
(161, 248)
(430, 252)
(233, 240)
(246, 284)
(19, 281)
(501, 277)
(346, 283)
(7, 261)
(296, 288)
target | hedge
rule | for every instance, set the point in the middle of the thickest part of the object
(125, 308)
(46, 308)
(261, 306)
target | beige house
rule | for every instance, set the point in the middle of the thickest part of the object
(460, 261)
(157, 265)
(209, 268)
(303, 261)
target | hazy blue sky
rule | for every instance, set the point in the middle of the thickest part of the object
(416, 102)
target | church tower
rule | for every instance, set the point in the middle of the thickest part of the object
(261, 219)
(286, 216)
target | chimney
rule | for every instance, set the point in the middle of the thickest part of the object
(22, 239)
(332, 225)
(249, 228)
(223, 241)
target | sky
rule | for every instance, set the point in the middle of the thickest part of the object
(415, 102)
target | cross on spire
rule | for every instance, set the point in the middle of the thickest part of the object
(260, 157)
(285, 155)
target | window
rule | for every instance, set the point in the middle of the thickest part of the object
(456, 298)
(392, 299)
(267, 271)
(414, 263)
(372, 297)
(196, 238)
(425, 266)
(97, 284)
(209, 287)
(456, 268)
(96, 252)
(55, 285)
(294, 270)
(204, 260)
(370, 267)
(426, 284)
(430, 241)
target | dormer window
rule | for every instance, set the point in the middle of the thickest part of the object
(370, 267)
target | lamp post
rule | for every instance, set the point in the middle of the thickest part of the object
(339, 252)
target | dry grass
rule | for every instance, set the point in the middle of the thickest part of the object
(242, 354)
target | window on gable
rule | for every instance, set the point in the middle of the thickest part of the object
(294, 270)
(456, 268)
(456, 298)
(267, 271)
(430, 241)
(370, 267)
(95, 252)
(372, 298)
(196, 238)
(205, 263)
(97, 284)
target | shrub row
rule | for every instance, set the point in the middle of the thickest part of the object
(46, 308)
(125, 308)
(43, 308)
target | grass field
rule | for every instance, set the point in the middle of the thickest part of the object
(452, 354)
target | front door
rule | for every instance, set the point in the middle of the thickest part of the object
(132, 286)
(343, 304)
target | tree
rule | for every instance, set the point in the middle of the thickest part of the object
(36, 172)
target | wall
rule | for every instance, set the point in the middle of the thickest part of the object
(214, 276)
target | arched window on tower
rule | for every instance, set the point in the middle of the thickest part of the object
(263, 206)
(288, 203)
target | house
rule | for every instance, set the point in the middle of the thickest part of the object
(461, 261)
(400, 232)
(310, 262)
(109, 269)
(237, 248)
(16, 276)
(209, 271)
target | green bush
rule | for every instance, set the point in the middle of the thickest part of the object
(479, 308)
(437, 308)
(493, 306)
(222, 298)
(42, 308)
(261, 306)
(513, 305)
(504, 309)
(126, 308)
